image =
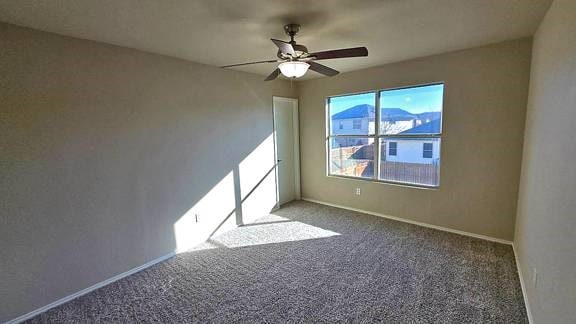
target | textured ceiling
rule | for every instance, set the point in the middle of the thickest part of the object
(225, 32)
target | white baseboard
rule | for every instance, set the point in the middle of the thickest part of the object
(522, 285)
(445, 229)
(101, 284)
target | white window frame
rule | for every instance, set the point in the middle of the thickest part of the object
(377, 137)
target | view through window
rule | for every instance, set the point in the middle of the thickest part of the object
(389, 135)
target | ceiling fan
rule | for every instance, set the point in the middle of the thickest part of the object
(295, 59)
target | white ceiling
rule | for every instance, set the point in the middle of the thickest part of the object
(219, 32)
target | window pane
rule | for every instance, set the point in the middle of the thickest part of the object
(408, 163)
(352, 156)
(352, 115)
(427, 150)
(416, 110)
(392, 148)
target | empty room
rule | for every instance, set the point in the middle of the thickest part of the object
(358, 161)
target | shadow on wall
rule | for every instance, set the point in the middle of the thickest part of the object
(243, 195)
(112, 158)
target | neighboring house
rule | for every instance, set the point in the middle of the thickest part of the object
(345, 122)
(359, 120)
(415, 150)
(396, 120)
(412, 150)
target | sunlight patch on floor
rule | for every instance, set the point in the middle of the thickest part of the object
(269, 229)
(270, 232)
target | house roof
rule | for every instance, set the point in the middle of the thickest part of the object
(396, 114)
(431, 127)
(359, 111)
(365, 110)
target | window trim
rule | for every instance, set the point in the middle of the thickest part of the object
(377, 137)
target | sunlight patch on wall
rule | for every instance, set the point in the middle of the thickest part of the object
(258, 181)
(261, 201)
(251, 187)
(206, 215)
(256, 165)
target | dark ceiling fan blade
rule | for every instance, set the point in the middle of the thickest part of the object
(284, 47)
(322, 69)
(257, 62)
(273, 75)
(340, 53)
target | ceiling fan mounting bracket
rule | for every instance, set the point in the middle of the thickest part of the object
(291, 30)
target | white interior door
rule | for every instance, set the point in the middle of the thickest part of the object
(287, 152)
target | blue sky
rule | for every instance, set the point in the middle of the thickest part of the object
(415, 100)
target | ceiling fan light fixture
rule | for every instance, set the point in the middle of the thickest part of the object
(293, 69)
(296, 60)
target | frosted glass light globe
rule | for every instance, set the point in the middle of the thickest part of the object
(293, 69)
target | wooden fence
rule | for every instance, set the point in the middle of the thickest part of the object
(426, 174)
(357, 161)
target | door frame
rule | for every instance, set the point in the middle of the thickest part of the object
(295, 140)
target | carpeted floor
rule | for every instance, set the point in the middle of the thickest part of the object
(313, 263)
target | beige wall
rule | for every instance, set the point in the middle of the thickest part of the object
(104, 149)
(485, 102)
(545, 239)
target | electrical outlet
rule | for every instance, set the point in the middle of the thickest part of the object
(534, 277)
(357, 192)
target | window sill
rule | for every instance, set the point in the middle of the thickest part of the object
(392, 183)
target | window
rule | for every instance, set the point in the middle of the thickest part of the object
(341, 125)
(392, 148)
(427, 150)
(351, 150)
(407, 118)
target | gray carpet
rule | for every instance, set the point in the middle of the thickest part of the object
(312, 263)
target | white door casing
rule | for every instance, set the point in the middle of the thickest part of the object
(286, 141)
